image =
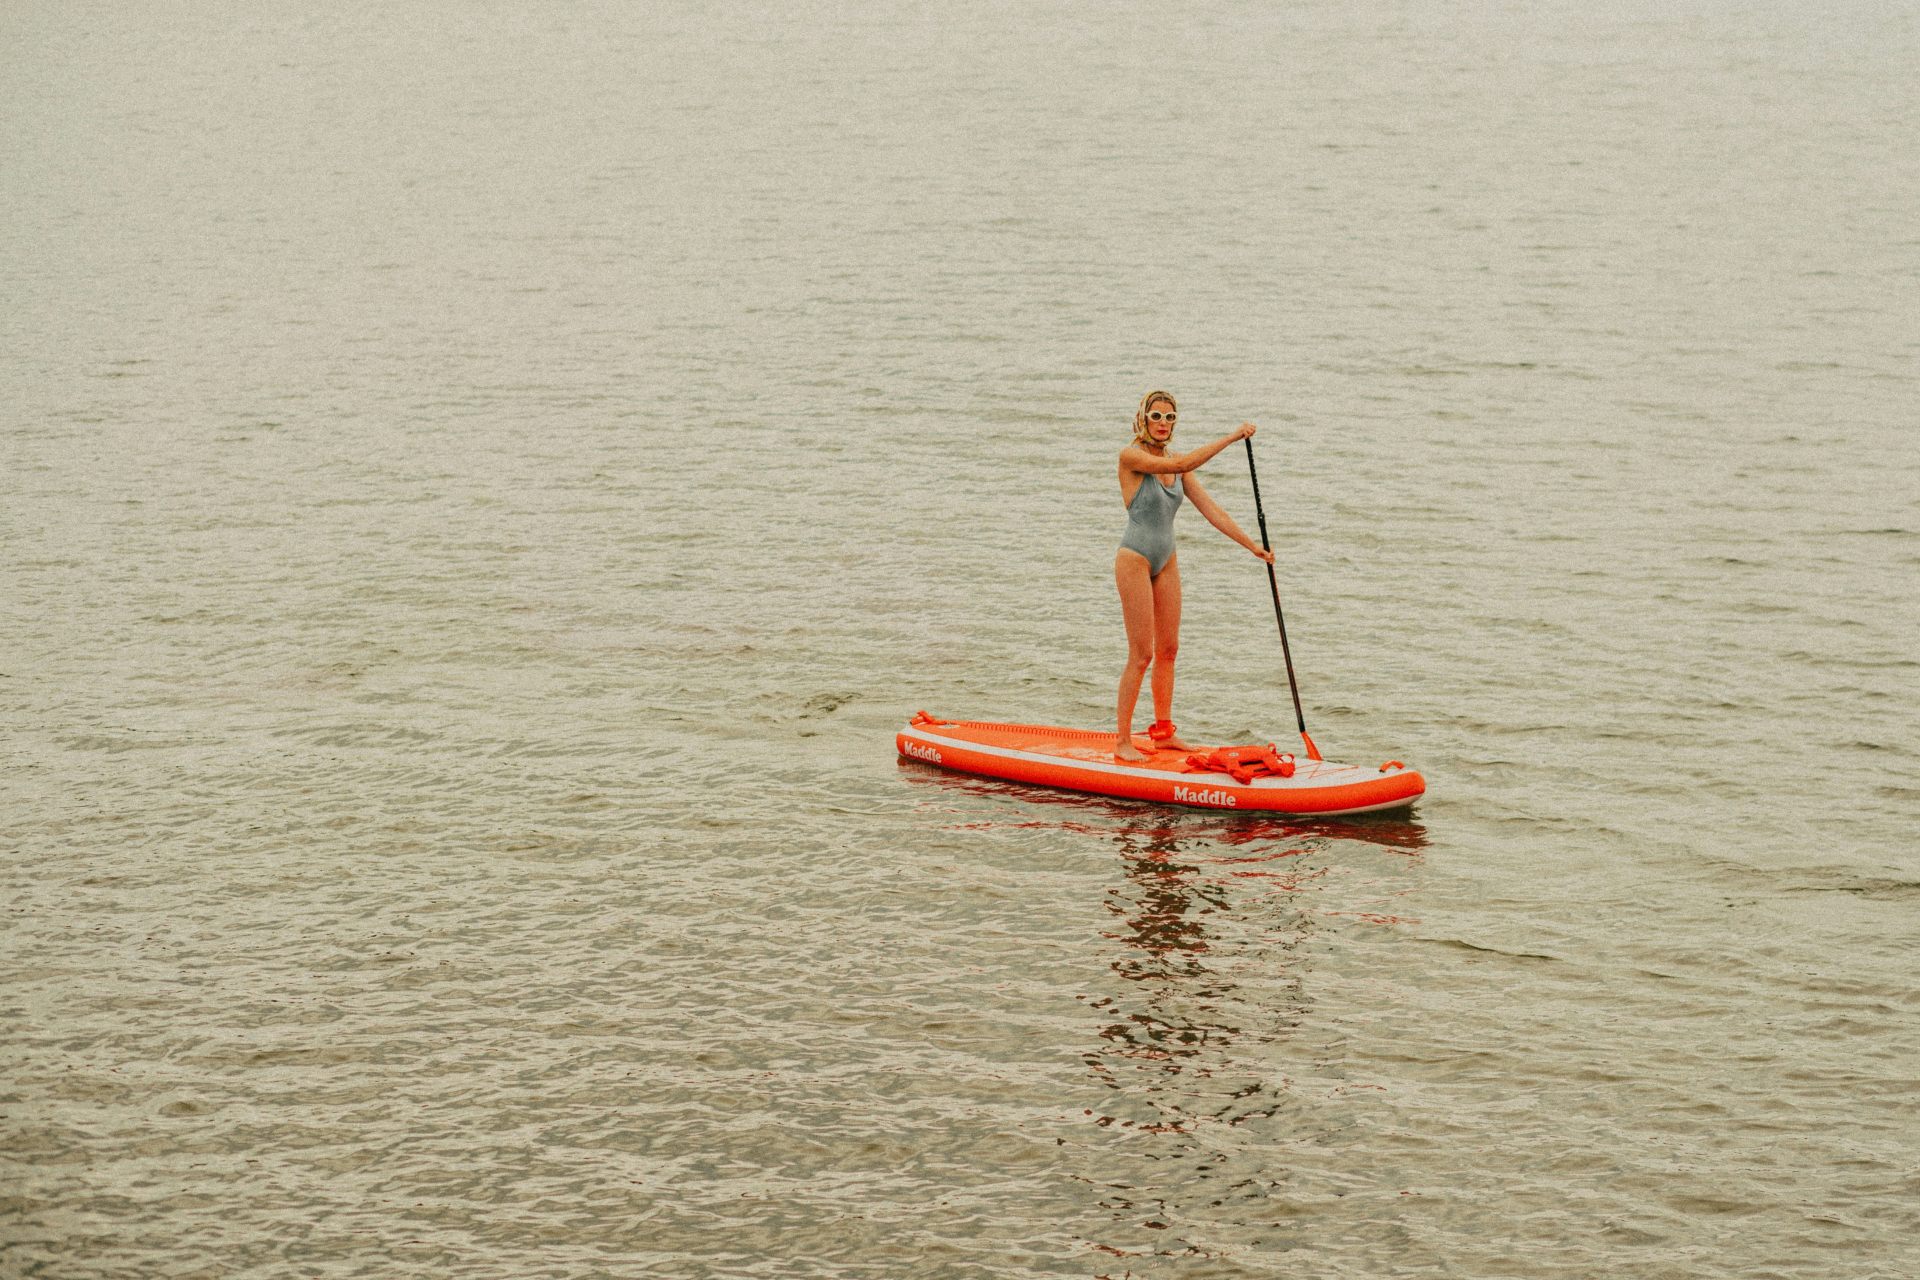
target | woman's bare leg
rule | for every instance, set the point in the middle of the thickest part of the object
(1131, 575)
(1166, 645)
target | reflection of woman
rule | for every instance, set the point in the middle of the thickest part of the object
(1146, 569)
(1170, 1016)
(1171, 1021)
(1165, 909)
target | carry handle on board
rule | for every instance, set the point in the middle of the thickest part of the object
(1273, 585)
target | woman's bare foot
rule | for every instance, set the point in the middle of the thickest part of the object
(1171, 744)
(1127, 751)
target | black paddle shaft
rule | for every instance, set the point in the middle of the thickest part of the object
(1273, 584)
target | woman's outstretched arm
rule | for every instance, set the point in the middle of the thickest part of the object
(1134, 458)
(1217, 517)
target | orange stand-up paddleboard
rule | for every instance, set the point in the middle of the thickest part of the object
(1253, 777)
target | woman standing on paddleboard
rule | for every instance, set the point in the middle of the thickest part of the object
(1146, 568)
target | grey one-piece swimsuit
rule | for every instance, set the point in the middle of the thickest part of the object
(1150, 520)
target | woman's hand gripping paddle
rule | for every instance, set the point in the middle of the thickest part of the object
(1313, 752)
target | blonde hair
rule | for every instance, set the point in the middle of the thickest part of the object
(1147, 402)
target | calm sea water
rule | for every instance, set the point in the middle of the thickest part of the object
(482, 485)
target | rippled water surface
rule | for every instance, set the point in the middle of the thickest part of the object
(482, 485)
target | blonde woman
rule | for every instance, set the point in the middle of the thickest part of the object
(1146, 568)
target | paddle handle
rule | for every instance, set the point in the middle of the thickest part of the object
(1273, 585)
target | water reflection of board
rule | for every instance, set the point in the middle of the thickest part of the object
(1082, 760)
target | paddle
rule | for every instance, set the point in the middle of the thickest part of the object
(1313, 752)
